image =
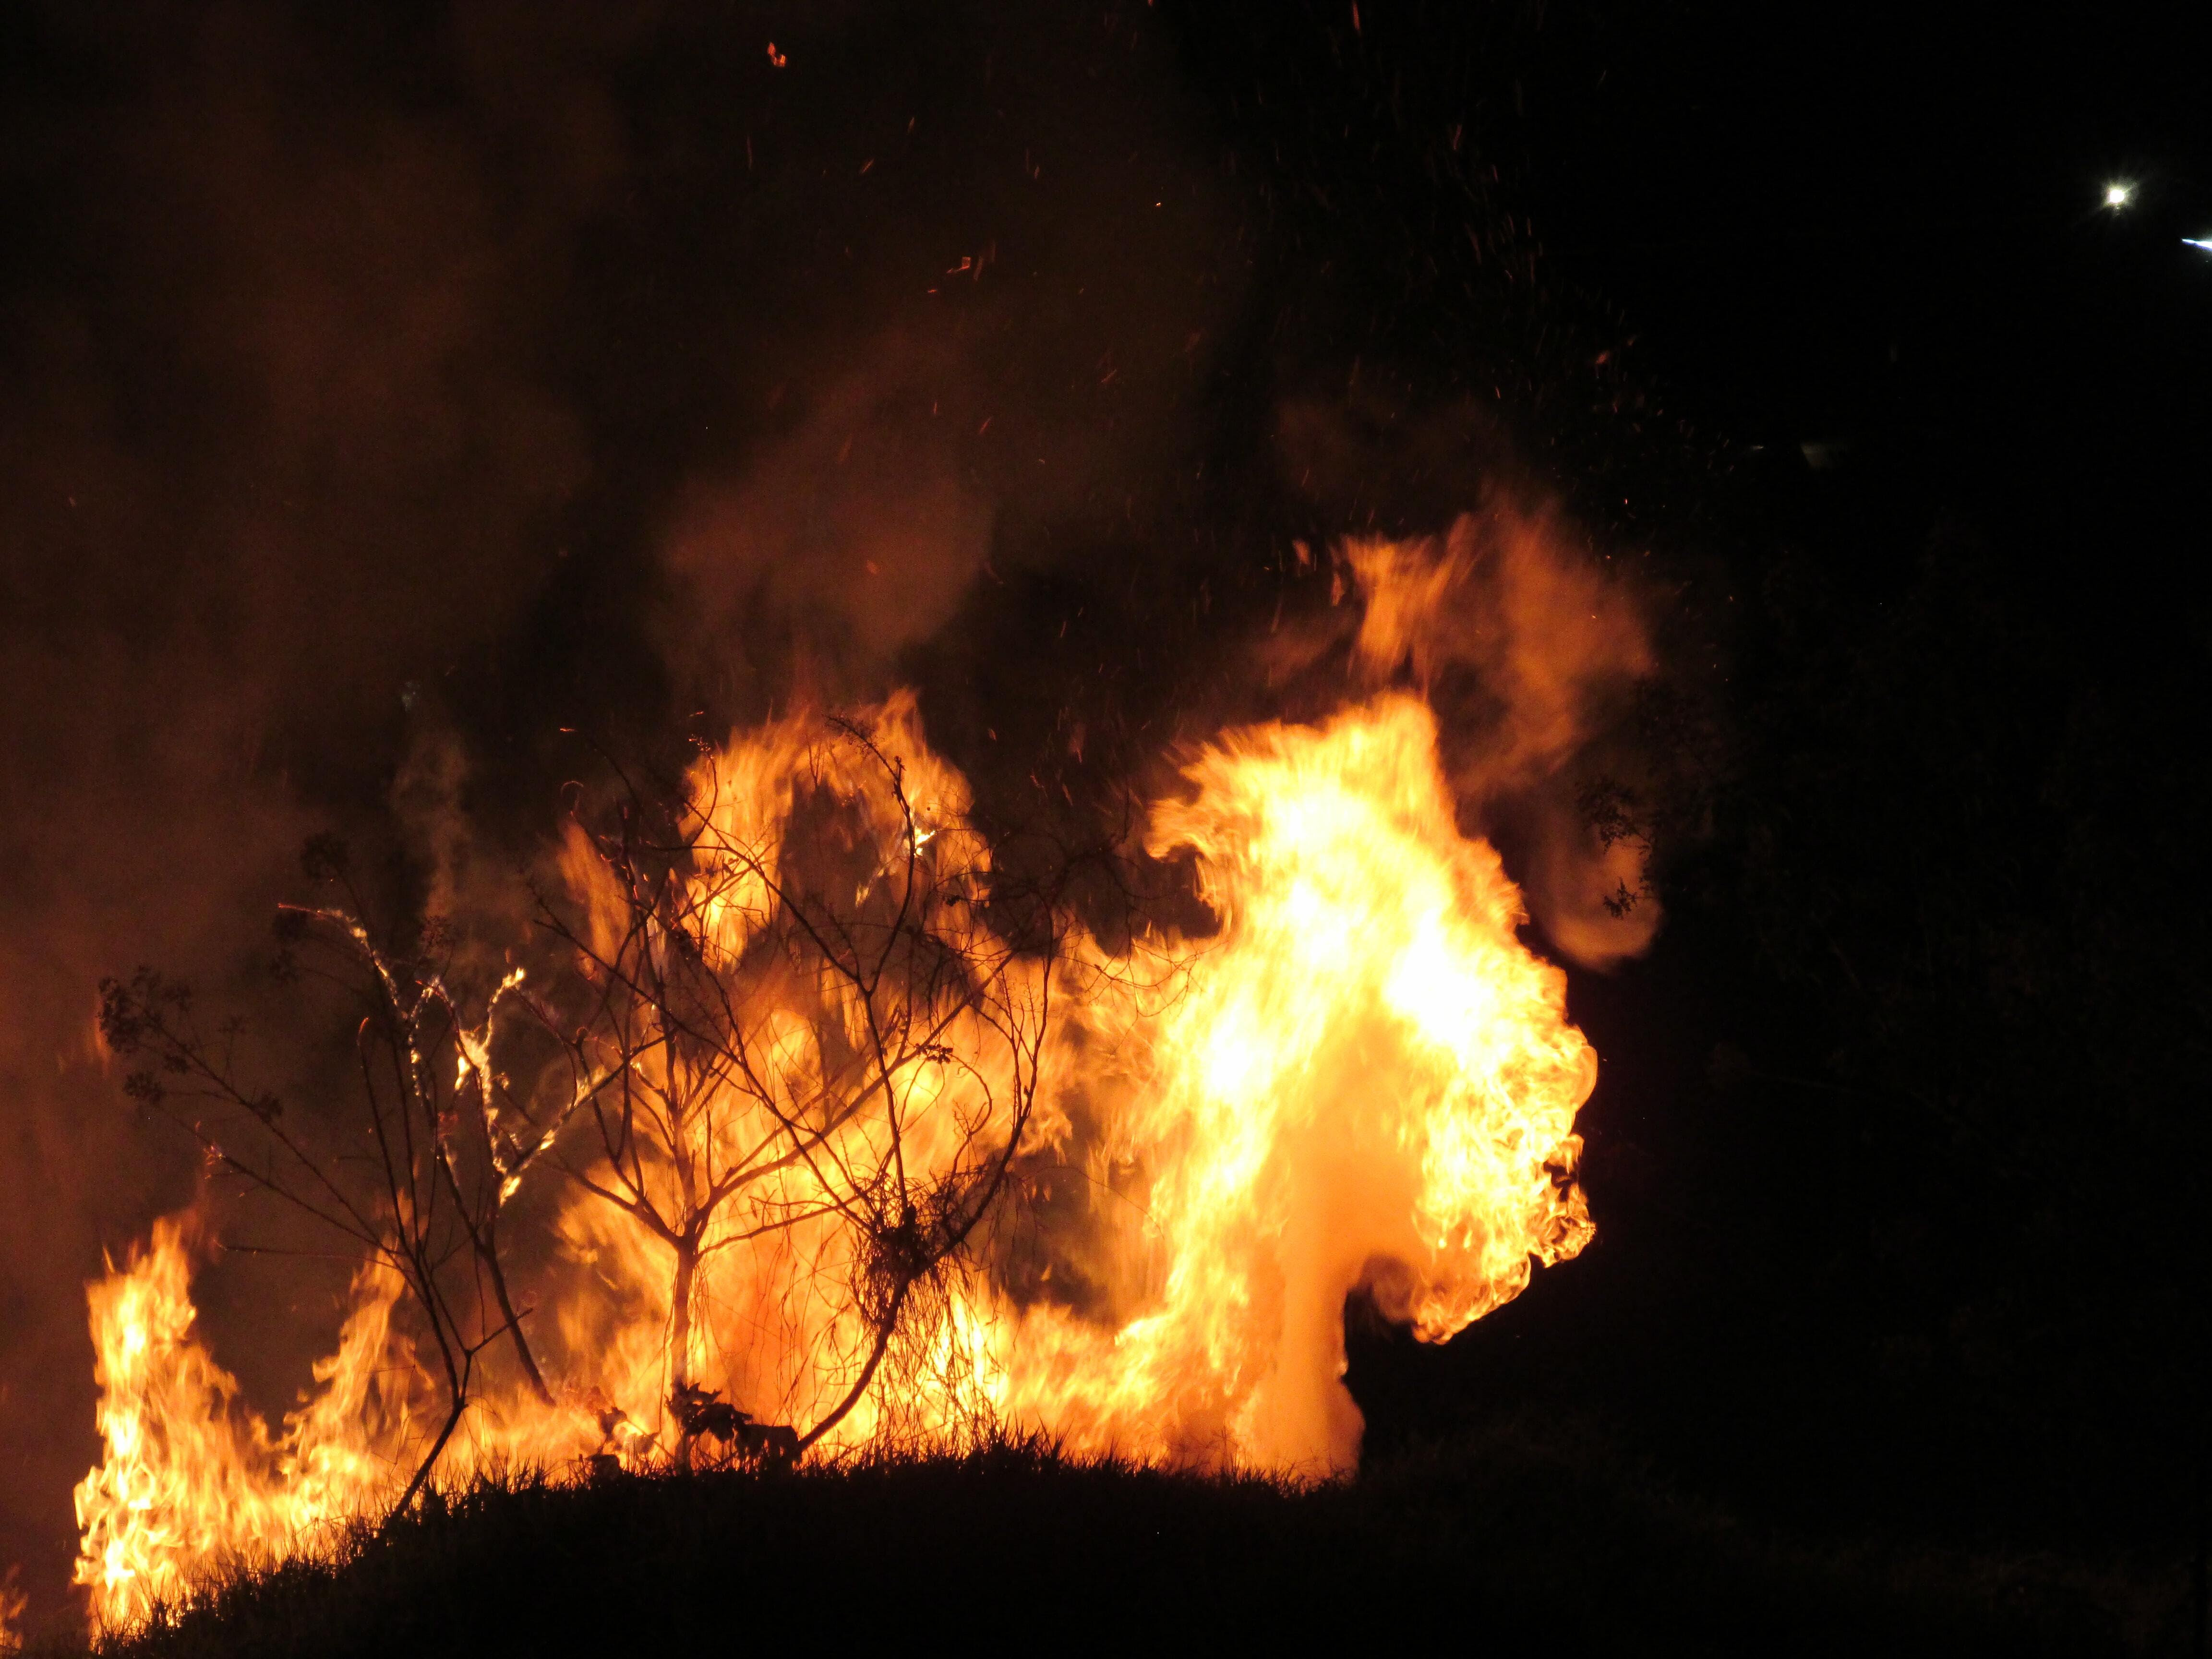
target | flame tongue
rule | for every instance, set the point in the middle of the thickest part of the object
(1364, 1076)
(192, 1482)
(1368, 1068)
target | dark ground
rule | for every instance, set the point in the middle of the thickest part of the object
(1515, 1537)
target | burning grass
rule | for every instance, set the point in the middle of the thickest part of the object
(1518, 1533)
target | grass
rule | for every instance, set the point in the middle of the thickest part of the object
(1515, 1535)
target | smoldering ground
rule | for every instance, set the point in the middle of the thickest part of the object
(397, 404)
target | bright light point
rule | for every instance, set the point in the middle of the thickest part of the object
(2118, 196)
(2204, 242)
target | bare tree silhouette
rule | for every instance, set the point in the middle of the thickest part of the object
(425, 1201)
(819, 1010)
(791, 1007)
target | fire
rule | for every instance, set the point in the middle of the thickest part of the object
(1369, 1079)
(1363, 1078)
(191, 1482)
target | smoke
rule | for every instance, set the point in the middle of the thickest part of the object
(858, 529)
(274, 446)
(1531, 650)
(1528, 638)
(387, 391)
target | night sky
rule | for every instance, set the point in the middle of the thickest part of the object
(427, 381)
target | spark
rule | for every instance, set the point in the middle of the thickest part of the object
(2119, 194)
(2204, 242)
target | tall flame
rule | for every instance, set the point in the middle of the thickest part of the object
(1363, 1078)
(1370, 1077)
(191, 1482)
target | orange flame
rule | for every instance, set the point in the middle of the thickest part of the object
(1370, 1077)
(1363, 1079)
(13, 1601)
(191, 1482)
